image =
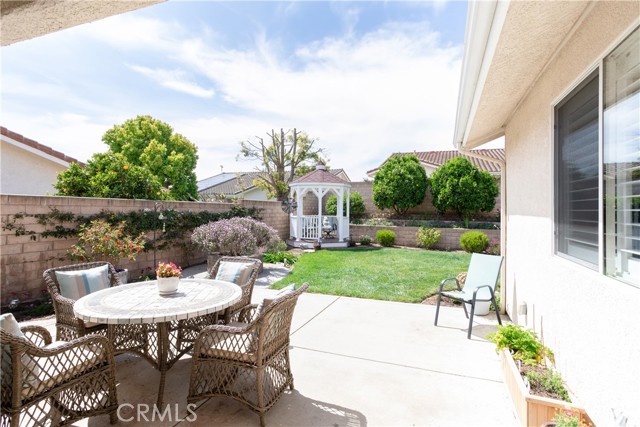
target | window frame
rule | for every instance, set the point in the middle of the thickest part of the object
(596, 66)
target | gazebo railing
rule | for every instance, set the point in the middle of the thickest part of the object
(310, 227)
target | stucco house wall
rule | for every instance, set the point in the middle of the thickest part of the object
(24, 172)
(588, 319)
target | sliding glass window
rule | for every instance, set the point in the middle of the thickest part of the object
(621, 158)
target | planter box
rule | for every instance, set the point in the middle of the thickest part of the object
(532, 411)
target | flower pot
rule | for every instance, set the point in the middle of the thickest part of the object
(482, 308)
(167, 285)
(532, 410)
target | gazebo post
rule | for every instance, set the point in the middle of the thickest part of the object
(339, 212)
(300, 208)
(348, 209)
(319, 195)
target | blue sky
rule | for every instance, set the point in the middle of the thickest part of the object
(364, 78)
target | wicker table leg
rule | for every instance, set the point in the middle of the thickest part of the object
(163, 354)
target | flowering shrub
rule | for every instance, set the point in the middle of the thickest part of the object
(235, 236)
(168, 269)
(567, 418)
(100, 241)
(493, 248)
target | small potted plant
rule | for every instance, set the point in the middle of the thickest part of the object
(168, 277)
(101, 241)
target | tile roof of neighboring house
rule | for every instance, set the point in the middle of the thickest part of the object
(233, 183)
(36, 145)
(438, 158)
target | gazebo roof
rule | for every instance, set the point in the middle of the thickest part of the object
(319, 176)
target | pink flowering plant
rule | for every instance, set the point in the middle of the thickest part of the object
(235, 236)
(168, 269)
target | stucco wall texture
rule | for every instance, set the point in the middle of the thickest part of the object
(23, 172)
(590, 321)
(23, 260)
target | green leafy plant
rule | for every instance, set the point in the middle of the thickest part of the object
(287, 258)
(460, 186)
(400, 184)
(101, 241)
(474, 241)
(524, 344)
(567, 418)
(550, 381)
(386, 237)
(427, 237)
(365, 240)
(378, 222)
(356, 205)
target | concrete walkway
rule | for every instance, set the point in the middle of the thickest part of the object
(356, 363)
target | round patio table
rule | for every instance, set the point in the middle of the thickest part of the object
(141, 304)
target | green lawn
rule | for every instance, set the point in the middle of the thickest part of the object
(378, 273)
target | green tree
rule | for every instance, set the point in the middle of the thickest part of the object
(400, 184)
(280, 157)
(356, 205)
(460, 186)
(146, 160)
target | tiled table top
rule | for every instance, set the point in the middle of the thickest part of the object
(141, 302)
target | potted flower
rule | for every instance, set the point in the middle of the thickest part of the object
(535, 386)
(101, 241)
(168, 277)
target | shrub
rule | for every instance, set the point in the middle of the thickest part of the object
(365, 240)
(356, 205)
(378, 222)
(235, 236)
(386, 237)
(474, 241)
(100, 241)
(287, 258)
(427, 237)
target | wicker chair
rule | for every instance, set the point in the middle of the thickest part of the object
(68, 326)
(55, 385)
(247, 286)
(188, 330)
(246, 360)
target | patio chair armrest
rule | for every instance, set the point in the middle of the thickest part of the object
(475, 291)
(217, 336)
(444, 281)
(37, 335)
(244, 314)
(98, 344)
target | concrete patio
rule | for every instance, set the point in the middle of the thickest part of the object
(356, 362)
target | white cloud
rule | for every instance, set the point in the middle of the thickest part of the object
(174, 79)
(394, 89)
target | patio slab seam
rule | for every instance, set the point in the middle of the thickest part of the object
(400, 365)
(315, 316)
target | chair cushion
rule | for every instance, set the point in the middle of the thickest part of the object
(76, 284)
(51, 371)
(235, 272)
(10, 325)
(266, 302)
(232, 347)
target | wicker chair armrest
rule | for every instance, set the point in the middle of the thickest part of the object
(97, 343)
(215, 336)
(244, 314)
(37, 335)
(63, 301)
(444, 281)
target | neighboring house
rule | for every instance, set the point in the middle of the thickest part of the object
(27, 166)
(232, 185)
(432, 160)
(561, 82)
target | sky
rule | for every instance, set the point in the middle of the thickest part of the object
(365, 79)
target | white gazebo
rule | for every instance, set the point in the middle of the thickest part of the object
(311, 225)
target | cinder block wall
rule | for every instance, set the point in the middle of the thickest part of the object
(23, 259)
(406, 236)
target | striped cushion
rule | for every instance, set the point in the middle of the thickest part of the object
(236, 272)
(76, 284)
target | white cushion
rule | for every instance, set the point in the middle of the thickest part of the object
(76, 284)
(235, 272)
(266, 302)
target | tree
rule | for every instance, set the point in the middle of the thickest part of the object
(356, 205)
(460, 186)
(280, 157)
(400, 184)
(146, 160)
